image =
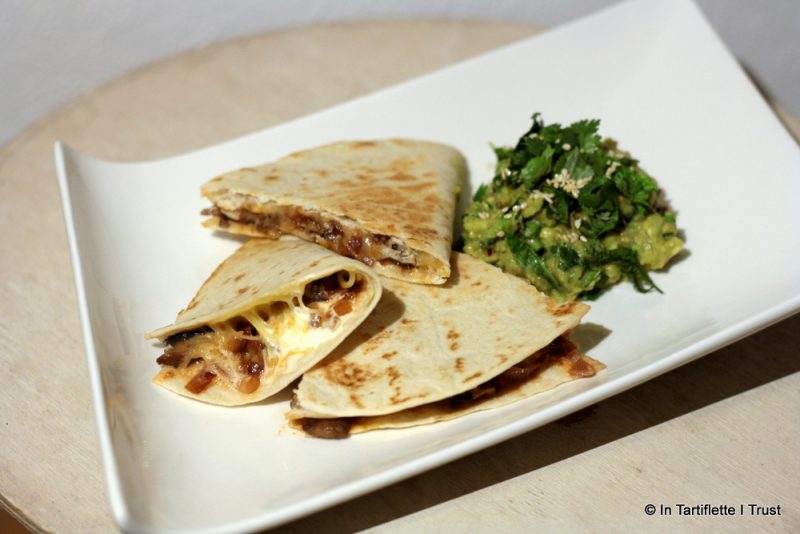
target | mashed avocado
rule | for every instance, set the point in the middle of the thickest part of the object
(572, 213)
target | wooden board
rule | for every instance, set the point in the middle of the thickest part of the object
(725, 429)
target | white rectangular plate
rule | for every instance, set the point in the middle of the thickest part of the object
(663, 85)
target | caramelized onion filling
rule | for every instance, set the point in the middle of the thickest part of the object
(559, 351)
(236, 352)
(344, 239)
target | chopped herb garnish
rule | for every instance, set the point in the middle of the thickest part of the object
(572, 213)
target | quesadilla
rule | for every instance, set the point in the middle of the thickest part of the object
(388, 203)
(268, 313)
(432, 353)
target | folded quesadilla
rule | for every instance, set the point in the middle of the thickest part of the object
(268, 313)
(432, 353)
(388, 203)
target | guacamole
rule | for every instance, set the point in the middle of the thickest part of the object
(572, 213)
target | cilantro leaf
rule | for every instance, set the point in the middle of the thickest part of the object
(526, 256)
(598, 200)
(559, 208)
(536, 168)
(567, 257)
(480, 194)
(586, 133)
(635, 186)
(628, 261)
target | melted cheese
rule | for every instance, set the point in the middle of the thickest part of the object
(284, 321)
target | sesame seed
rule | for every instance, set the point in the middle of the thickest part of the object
(483, 215)
(523, 205)
(566, 146)
(583, 238)
(501, 234)
(612, 168)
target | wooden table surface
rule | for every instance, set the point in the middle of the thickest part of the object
(722, 430)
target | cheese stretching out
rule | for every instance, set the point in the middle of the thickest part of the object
(388, 203)
(268, 313)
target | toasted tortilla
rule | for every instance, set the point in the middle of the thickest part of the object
(267, 314)
(388, 203)
(424, 345)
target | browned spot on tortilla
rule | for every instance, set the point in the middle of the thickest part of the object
(191, 305)
(314, 263)
(476, 283)
(362, 144)
(242, 290)
(221, 306)
(452, 335)
(348, 374)
(402, 177)
(355, 400)
(238, 277)
(576, 365)
(401, 164)
(454, 345)
(560, 308)
(396, 398)
(167, 374)
(217, 179)
(448, 301)
(389, 355)
(428, 174)
(375, 340)
(322, 173)
(502, 357)
(472, 377)
(415, 187)
(460, 365)
(394, 375)
(405, 320)
(271, 178)
(420, 233)
(363, 177)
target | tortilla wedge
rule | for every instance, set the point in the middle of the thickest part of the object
(267, 314)
(388, 203)
(431, 353)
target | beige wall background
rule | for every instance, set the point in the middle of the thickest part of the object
(52, 51)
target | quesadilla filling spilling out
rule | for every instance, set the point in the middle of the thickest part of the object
(238, 352)
(561, 352)
(339, 234)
